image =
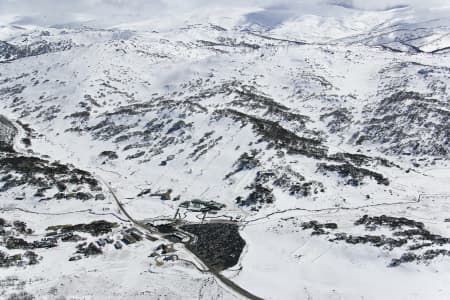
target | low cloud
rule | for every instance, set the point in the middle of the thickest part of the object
(388, 4)
(110, 12)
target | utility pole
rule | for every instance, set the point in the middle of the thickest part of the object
(176, 214)
(204, 216)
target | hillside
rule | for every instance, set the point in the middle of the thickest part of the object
(227, 160)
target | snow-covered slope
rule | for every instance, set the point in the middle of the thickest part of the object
(323, 138)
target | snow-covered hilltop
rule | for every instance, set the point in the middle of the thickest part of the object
(238, 151)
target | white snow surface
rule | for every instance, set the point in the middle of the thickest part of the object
(311, 57)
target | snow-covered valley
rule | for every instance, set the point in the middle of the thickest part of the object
(252, 153)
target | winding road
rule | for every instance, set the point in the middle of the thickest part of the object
(11, 136)
(9, 140)
(195, 260)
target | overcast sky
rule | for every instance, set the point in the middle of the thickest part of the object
(109, 12)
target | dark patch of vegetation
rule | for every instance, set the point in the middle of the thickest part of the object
(95, 228)
(391, 222)
(338, 120)
(406, 232)
(245, 162)
(258, 196)
(218, 245)
(409, 123)
(41, 173)
(356, 174)
(360, 159)
(178, 126)
(88, 250)
(377, 241)
(426, 256)
(305, 189)
(7, 133)
(18, 243)
(26, 142)
(278, 137)
(21, 296)
(135, 155)
(84, 115)
(109, 155)
(27, 258)
(144, 192)
(9, 52)
(318, 228)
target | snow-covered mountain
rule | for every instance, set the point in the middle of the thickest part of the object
(240, 153)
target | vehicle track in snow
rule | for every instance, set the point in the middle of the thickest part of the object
(337, 209)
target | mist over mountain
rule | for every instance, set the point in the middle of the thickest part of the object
(113, 12)
(224, 149)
